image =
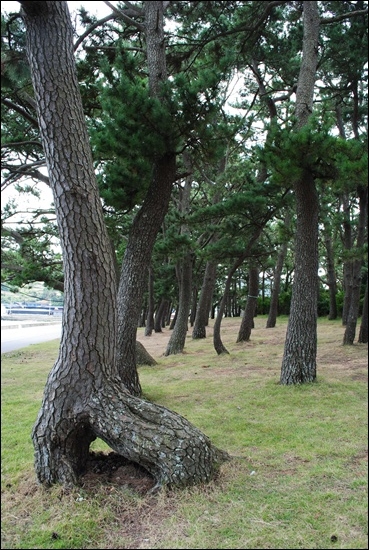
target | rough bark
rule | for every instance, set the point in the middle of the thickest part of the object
(84, 397)
(137, 256)
(247, 323)
(299, 359)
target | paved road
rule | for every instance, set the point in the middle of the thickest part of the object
(16, 338)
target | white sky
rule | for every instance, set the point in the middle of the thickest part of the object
(28, 202)
(95, 8)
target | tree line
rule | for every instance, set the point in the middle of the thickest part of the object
(166, 201)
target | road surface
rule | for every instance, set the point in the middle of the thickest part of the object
(16, 338)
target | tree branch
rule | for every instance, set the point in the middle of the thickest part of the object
(329, 20)
(92, 28)
(124, 16)
(21, 111)
(12, 144)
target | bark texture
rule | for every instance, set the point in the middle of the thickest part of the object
(299, 359)
(137, 256)
(84, 397)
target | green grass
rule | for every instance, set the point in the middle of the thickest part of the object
(298, 477)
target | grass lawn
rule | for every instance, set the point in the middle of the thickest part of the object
(297, 479)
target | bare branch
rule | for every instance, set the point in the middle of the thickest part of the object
(134, 8)
(21, 111)
(328, 20)
(124, 16)
(92, 28)
(12, 144)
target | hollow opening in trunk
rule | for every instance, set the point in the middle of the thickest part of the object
(104, 468)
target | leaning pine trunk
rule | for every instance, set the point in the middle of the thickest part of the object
(84, 397)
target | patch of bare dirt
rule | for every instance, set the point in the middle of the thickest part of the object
(112, 469)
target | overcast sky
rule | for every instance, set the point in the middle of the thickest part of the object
(96, 8)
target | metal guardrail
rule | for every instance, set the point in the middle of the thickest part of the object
(50, 311)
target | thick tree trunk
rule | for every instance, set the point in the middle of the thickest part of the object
(299, 359)
(247, 323)
(203, 307)
(84, 397)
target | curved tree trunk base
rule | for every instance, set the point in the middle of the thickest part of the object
(164, 443)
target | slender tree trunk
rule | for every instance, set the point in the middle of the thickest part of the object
(137, 256)
(160, 315)
(363, 334)
(193, 305)
(136, 261)
(348, 266)
(217, 340)
(84, 397)
(203, 308)
(299, 359)
(247, 323)
(174, 320)
(273, 308)
(150, 311)
(331, 277)
(178, 337)
(349, 336)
